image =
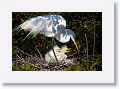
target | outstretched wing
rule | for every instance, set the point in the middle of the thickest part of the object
(49, 25)
(37, 25)
(44, 25)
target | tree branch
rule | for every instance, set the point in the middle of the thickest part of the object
(87, 52)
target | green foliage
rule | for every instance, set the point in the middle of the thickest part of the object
(73, 68)
(94, 65)
(23, 67)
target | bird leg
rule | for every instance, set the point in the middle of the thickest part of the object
(53, 49)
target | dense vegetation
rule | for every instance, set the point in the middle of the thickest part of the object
(88, 30)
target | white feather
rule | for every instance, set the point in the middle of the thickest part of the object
(50, 26)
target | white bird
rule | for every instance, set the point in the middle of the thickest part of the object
(50, 26)
(60, 54)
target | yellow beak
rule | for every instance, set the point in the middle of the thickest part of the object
(75, 43)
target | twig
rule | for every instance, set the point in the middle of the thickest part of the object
(24, 52)
(87, 52)
(39, 53)
(19, 57)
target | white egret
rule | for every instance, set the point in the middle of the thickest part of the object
(51, 26)
(60, 54)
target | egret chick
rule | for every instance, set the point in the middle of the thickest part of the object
(60, 54)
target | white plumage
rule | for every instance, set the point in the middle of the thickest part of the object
(60, 54)
(50, 26)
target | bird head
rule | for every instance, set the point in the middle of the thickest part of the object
(72, 37)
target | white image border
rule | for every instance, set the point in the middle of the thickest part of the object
(104, 76)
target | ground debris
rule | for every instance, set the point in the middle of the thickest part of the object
(41, 65)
